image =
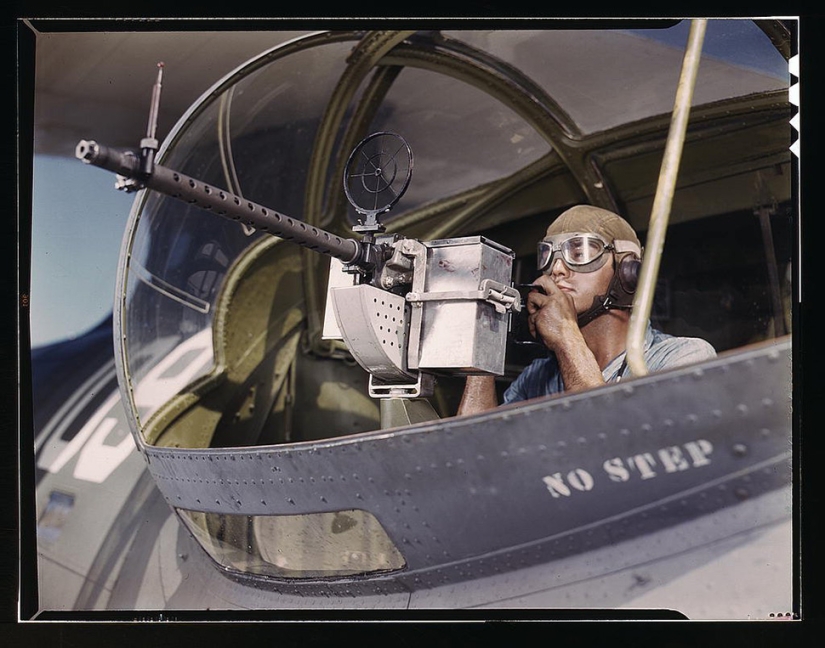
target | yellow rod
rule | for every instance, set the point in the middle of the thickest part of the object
(660, 212)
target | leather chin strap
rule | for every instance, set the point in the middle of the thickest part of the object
(618, 297)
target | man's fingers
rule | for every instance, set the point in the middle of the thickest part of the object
(549, 286)
(535, 300)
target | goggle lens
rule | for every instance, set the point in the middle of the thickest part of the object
(576, 251)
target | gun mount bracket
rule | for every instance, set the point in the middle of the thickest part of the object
(423, 386)
(503, 298)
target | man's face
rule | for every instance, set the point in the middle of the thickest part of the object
(582, 287)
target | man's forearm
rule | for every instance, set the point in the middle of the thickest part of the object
(578, 367)
(479, 395)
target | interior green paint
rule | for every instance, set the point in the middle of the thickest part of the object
(256, 331)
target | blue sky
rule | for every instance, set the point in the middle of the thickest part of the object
(78, 222)
(736, 41)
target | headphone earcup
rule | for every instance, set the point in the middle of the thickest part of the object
(628, 273)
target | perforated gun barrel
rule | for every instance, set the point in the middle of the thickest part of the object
(221, 202)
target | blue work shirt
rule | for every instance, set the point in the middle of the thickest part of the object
(662, 351)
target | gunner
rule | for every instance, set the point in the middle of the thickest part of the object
(589, 262)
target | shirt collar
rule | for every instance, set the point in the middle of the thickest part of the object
(617, 365)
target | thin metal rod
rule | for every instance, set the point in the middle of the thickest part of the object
(764, 214)
(660, 212)
(154, 108)
(149, 144)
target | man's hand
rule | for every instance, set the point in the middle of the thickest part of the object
(551, 316)
(553, 319)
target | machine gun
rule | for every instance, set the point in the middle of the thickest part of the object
(407, 310)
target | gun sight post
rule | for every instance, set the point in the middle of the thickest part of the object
(149, 144)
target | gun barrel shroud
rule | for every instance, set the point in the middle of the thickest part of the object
(221, 202)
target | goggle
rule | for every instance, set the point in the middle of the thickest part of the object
(580, 252)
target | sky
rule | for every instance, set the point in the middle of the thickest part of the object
(736, 41)
(78, 223)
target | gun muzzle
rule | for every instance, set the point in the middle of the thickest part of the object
(124, 163)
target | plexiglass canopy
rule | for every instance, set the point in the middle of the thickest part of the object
(255, 134)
